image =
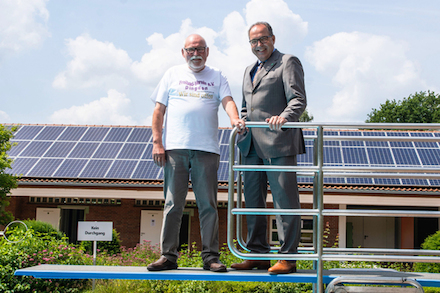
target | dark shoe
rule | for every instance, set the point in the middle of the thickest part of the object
(215, 265)
(162, 264)
(283, 267)
(250, 264)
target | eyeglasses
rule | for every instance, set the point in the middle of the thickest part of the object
(262, 40)
(193, 50)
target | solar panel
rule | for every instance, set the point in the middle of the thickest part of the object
(96, 169)
(355, 156)
(132, 151)
(148, 153)
(84, 150)
(36, 149)
(95, 134)
(429, 157)
(405, 157)
(140, 135)
(122, 169)
(22, 165)
(332, 156)
(146, 170)
(17, 147)
(27, 132)
(118, 134)
(380, 156)
(45, 167)
(107, 150)
(60, 149)
(70, 168)
(73, 133)
(50, 133)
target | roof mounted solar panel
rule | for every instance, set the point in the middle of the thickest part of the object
(146, 170)
(70, 168)
(27, 132)
(84, 150)
(107, 150)
(36, 149)
(118, 134)
(45, 167)
(20, 166)
(95, 134)
(132, 151)
(73, 133)
(96, 169)
(122, 169)
(50, 133)
(60, 149)
(17, 147)
(140, 135)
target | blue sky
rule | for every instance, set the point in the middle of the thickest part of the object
(97, 62)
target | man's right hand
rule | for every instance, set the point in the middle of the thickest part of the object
(159, 154)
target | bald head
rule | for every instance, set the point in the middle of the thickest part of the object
(195, 52)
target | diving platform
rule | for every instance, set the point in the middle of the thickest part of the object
(47, 271)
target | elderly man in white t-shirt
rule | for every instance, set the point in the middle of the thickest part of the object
(190, 95)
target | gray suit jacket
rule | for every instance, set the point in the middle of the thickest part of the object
(278, 90)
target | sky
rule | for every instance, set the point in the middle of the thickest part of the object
(96, 62)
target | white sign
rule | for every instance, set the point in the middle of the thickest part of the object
(95, 231)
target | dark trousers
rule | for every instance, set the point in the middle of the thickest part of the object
(285, 195)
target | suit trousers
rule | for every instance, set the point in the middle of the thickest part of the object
(202, 166)
(285, 196)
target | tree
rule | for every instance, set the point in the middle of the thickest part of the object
(7, 181)
(420, 107)
(306, 117)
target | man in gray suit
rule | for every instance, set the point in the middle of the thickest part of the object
(273, 91)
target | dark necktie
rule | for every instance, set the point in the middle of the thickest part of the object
(256, 73)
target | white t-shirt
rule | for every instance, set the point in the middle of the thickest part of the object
(192, 101)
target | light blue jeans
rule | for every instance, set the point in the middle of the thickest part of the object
(202, 166)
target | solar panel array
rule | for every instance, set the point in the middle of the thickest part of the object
(101, 152)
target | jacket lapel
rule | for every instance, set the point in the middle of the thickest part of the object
(267, 66)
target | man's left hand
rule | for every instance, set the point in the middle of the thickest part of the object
(275, 122)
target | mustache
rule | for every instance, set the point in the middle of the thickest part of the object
(196, 58)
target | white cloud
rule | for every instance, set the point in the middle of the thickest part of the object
(367, 69)
(23, 24)
(4, 117)
(94, 64)
(107, 110)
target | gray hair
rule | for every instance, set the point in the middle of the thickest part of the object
(267, 25)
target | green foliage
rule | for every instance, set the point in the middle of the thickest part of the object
(7, 181)
(44, 228)
(37, 248)
(306, 117)
(432, 242)
(108, 247)
(421, 107)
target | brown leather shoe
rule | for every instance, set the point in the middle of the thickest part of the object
(283, 267)
(215, 265)
(162, 264)
(250, 264)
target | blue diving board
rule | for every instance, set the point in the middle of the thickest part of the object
(47, 271)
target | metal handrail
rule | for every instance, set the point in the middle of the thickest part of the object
(318, 171)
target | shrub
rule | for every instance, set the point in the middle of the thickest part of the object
(34, 249)
(431, 243)
(44, 228)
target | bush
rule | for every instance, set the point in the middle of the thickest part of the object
(34, 249)
(44, 228)
(431, 243)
